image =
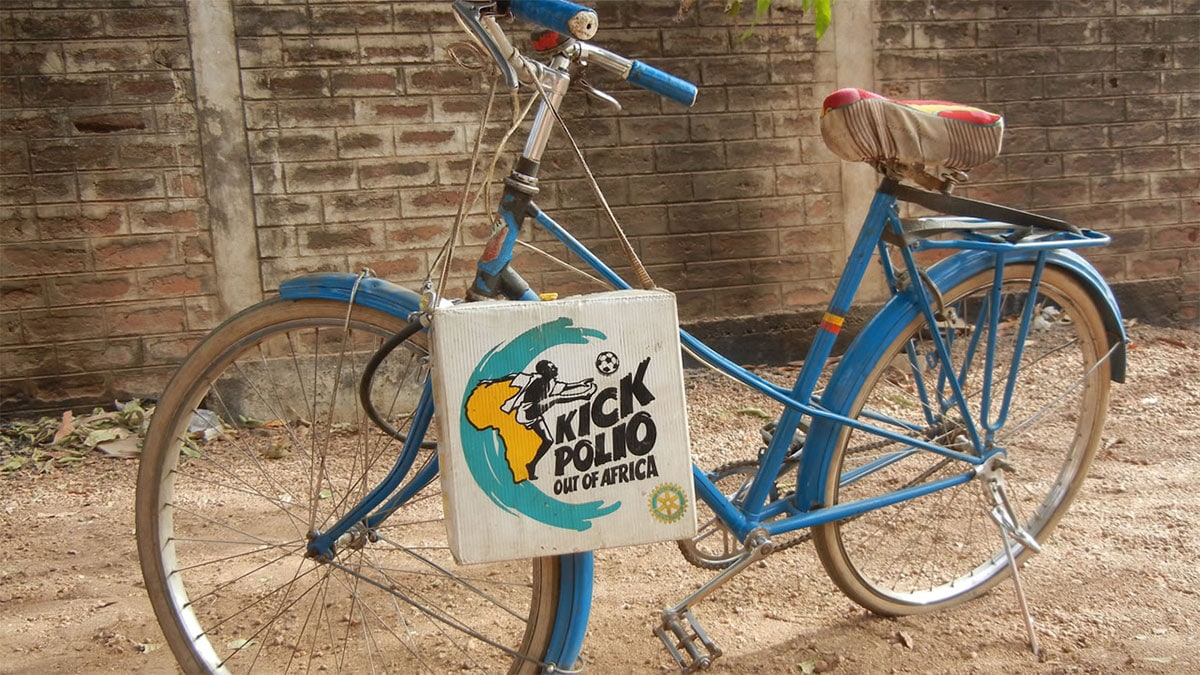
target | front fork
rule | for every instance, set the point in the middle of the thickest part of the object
(354, 527)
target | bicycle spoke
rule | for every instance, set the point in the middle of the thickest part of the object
(226, 550)
(1044, 392)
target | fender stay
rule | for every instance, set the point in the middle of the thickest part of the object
(901, 310)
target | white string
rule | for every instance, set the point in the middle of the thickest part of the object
(468, 202)
(638, 268)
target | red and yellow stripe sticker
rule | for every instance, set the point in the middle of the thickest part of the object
(832, 322)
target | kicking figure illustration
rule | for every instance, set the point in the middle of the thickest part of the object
(537, 392)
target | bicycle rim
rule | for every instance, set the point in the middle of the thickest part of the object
(942, 549)
(223, 523)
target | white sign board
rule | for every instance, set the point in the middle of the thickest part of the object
(562, 425)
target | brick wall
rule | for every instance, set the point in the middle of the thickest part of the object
(104, 258)
(361, 130)
(1102, 103)
(734, 204)
(351, 161)
(358, 133)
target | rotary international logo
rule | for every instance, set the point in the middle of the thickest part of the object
(668, 503)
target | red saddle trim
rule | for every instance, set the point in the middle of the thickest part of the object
(947, 109)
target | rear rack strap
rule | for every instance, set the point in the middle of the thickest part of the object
(961, 206)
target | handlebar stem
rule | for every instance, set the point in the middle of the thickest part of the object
(556, 80)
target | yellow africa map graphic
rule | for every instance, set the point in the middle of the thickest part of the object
(520, 442)
(516, 405)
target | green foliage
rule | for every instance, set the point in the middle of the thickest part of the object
(822, 12)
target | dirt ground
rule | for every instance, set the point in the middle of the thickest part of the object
(1115, 591)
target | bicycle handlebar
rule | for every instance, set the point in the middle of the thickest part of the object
(568, 18)
(640, 73)
(560, 16)
(662, 83)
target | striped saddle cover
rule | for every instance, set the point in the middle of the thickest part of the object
(860, 126)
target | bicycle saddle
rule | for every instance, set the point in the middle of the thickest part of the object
(861, 126)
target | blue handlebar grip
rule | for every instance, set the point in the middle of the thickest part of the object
(560, 16)
(662, 83)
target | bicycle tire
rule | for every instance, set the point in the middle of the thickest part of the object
(222, 524)
(943, 549)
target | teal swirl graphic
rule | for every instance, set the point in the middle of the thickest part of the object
(484, 449)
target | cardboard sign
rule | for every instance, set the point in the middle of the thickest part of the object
(561, 425)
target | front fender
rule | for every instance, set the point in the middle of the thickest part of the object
(379, 294)
(575, 583)
(864, 352)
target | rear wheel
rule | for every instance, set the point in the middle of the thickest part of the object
(942, 549)
(260, 440)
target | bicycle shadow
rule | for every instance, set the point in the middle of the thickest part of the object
(953, 641)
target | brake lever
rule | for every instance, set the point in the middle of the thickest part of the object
(470, 16)
(599, 95)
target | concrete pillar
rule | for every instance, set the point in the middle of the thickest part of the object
(853, 33)
(224, 153)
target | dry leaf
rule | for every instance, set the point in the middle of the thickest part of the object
(66, 428)
(121, 448)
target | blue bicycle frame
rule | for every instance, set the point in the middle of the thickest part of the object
(806, 510)
(495, 277)
(753, 511)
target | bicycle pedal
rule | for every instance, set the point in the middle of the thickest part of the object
(680, 633)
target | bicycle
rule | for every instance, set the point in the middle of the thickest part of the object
(297, 523)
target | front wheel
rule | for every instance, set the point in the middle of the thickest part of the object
(942, 549)
(260, 441)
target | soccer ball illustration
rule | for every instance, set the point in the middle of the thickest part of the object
(607, 363)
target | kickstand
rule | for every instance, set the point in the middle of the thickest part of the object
(1011, 533)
